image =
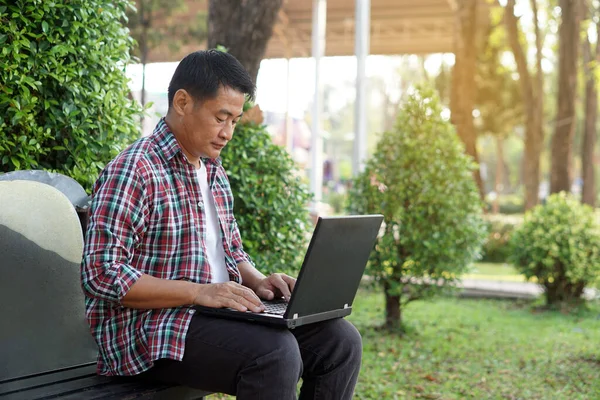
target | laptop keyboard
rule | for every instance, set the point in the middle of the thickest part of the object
(277, 307)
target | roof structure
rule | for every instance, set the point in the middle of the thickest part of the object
(397, 27)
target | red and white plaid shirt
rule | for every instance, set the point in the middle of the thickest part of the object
(147, 217)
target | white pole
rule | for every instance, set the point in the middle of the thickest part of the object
(316, 144)
(289, 138)
(362, 36)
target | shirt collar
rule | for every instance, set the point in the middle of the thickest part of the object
(168, 143)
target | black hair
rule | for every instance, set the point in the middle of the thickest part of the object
(201, 73)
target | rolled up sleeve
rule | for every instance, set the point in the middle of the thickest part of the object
(115, 225)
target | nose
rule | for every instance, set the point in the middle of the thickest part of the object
(227, 131)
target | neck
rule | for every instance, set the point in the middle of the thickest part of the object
(173, 125)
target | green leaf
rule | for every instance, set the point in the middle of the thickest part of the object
(15, 162)
(45, 26)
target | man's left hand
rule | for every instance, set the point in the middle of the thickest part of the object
(276, 286)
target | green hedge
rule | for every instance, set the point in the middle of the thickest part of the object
(559, 244)
(271, 202)
(64, 102)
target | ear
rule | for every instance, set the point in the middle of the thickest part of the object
(181, 101)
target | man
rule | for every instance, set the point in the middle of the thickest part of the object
(162, 238)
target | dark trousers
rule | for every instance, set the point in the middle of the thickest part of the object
(253, 361)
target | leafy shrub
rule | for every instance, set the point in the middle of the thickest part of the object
(63, 90)
(420, 180)
(559, 244)
(500, 228)
(270, 199)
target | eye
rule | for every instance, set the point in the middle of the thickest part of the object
(219, 120)
(235, 121)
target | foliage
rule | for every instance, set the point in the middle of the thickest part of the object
(500, 229)
(420, 180)
(559, 244)
(63, 89)
(270, 199)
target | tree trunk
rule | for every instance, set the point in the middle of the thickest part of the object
(588, 193)
(499, 173)
(532, 92)
(244, 28)
(462, 97)
(393, 315)
(562, 141)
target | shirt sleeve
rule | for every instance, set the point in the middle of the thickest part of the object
(237, 249)
(115, 225)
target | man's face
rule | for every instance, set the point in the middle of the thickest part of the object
(208, 126)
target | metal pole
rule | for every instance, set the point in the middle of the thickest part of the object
(289, 134)
(362, 33)
(316, 143)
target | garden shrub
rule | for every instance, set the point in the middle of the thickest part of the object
(421, 180)
(64, 102)
(271, 202)
(559, 244)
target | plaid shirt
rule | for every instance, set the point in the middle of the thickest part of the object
(147, 218)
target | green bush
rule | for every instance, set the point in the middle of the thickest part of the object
(500, 228)
(559, 244)
(63, 91)
(421, 181)
(270, 199)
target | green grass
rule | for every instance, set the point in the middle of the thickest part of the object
(478, 349)
(494, 271)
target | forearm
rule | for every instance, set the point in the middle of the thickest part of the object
(150, 292)
(250, 275)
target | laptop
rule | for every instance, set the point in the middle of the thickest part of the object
(329, 278)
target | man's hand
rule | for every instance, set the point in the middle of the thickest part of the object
(275, 286)
(229, 294)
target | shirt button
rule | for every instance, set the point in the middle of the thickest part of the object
(200, 204)
(191, 311)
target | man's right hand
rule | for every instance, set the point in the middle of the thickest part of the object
(229, 294)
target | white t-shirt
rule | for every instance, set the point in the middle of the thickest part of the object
(214, 239)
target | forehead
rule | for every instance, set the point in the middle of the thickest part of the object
(227, 99)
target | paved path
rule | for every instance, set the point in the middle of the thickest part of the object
(509, 290)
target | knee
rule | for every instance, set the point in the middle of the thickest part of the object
(281, 355)
(348, 342)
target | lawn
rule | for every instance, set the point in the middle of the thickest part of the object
(494, 271)
(478, 349)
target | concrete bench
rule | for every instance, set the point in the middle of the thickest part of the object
(46, 349)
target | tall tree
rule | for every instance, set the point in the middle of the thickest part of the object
(498, 98)
(462, 97)
(532, 94)
(588, 193)
(244, 28)
(568, 51)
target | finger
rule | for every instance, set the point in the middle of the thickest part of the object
(265, 293)
(231, 302)
(247, 294)
(240, 303)
(290, 281)
(281, 285)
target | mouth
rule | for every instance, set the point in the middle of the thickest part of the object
(217, 146)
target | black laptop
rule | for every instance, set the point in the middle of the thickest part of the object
(326, 286)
